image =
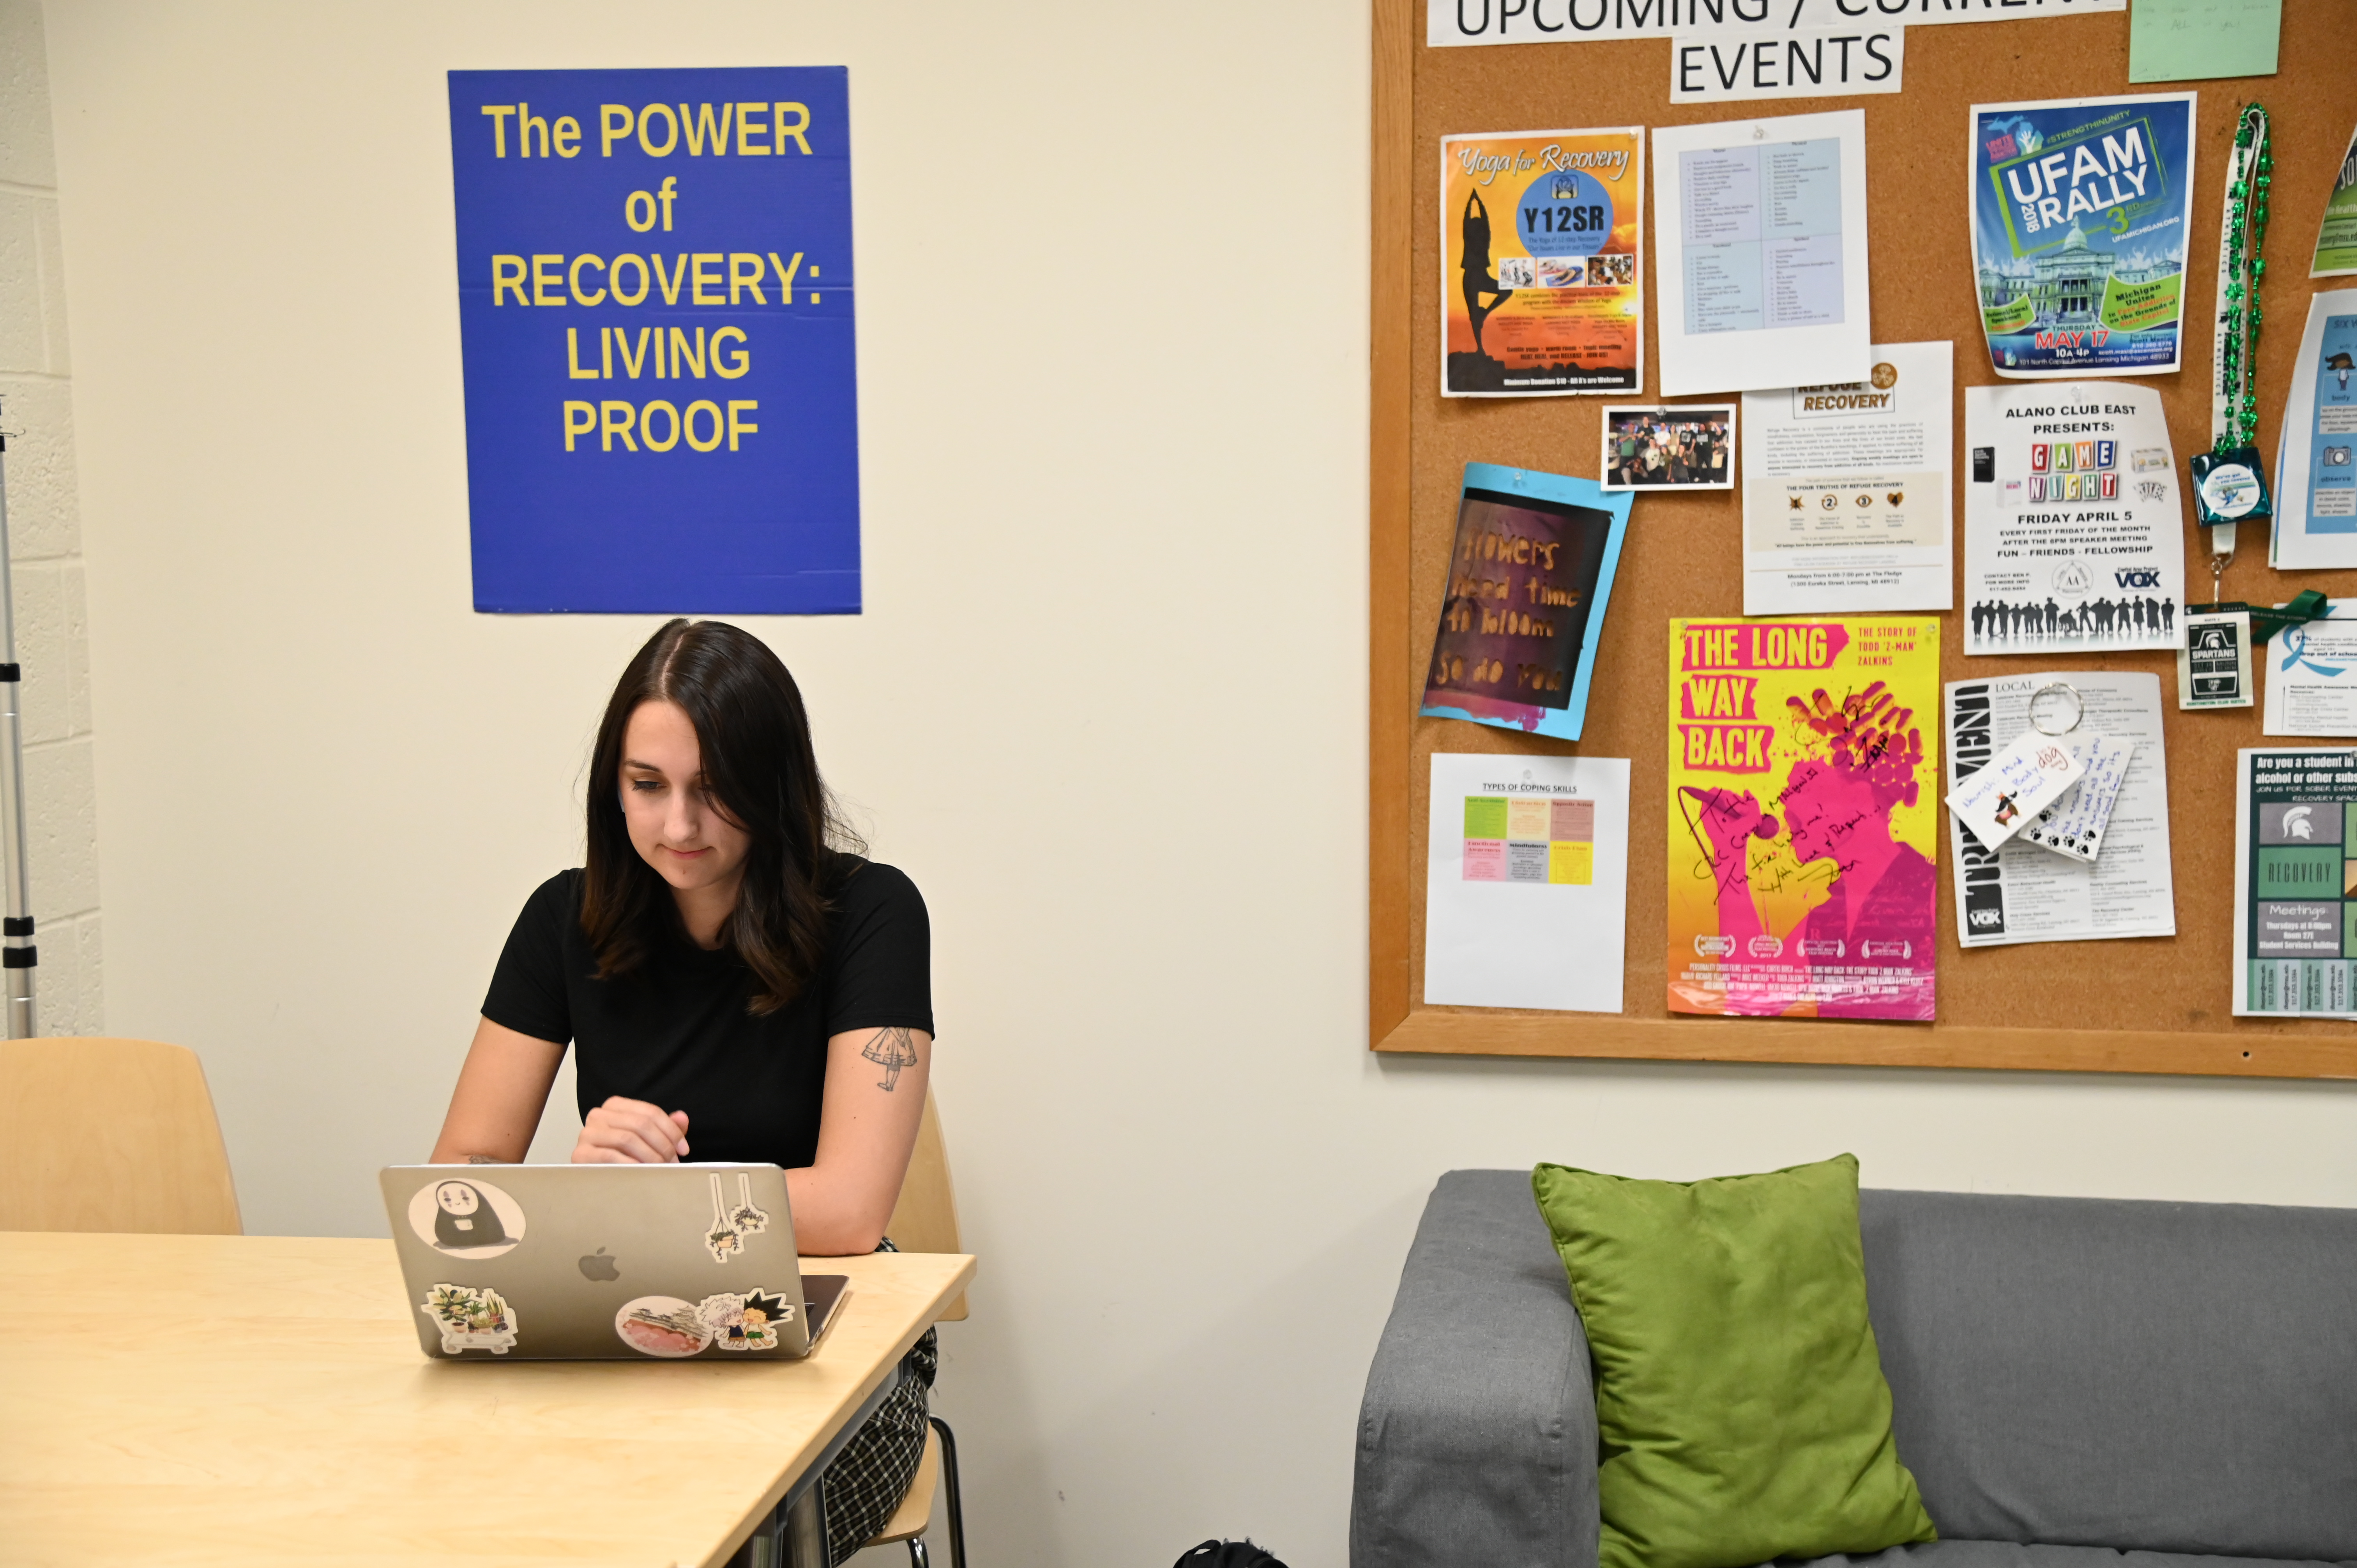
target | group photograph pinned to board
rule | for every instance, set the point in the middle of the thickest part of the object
(1804, 773)
(2081, 212)
(1845, 490)
(1689, 447)
(2074, 532)
(1543, 290)
(1529, 577)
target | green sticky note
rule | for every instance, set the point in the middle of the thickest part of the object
(2193, 40)
(1485, 816)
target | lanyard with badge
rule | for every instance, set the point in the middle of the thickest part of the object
(2228, 483)
(2213, 662)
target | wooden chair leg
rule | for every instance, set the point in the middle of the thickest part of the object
(950, 1493)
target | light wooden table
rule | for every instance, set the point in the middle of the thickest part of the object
(261, 1400)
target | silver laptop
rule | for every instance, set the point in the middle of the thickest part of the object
(604, 1263)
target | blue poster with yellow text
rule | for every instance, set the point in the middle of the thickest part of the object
(2080, 224)
(655, 311)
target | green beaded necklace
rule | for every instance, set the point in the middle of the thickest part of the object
(2228, 481)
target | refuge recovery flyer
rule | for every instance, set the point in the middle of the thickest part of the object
(1804, 783)
(2080, 223)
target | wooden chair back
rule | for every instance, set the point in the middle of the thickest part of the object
(925, 1219)
(103, 1134)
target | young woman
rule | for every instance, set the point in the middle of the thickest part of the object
(739, 983)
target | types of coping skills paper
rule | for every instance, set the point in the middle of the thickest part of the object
(1845, 490)
(1762, 271)
(1526, 888)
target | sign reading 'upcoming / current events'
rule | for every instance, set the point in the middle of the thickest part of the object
(655, 300)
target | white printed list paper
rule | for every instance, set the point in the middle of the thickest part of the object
(1761, 266)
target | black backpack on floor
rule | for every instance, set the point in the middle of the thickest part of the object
(1228, 1555)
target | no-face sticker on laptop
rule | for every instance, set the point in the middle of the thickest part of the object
(662, 1325)
(466, 1218)
(471, 1317)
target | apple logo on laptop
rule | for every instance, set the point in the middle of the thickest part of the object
(597, 1266)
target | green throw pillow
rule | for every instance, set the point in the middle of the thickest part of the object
(1739, 1399)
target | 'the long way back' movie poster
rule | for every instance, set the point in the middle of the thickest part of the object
(1541, 285)
(1803, 765)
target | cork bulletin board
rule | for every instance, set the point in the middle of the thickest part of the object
(2154, 1005)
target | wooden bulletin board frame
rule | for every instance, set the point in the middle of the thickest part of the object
(2156, 1005)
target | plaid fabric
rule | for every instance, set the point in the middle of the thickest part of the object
(872, 1474)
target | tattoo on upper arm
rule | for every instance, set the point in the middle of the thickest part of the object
(892, 1049)
(483, 1160)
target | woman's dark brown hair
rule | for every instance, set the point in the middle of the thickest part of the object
(762, 772)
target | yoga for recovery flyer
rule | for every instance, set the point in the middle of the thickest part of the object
(1541, 285)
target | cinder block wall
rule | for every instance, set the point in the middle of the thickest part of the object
(45, 541)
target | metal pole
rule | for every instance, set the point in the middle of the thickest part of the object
(18, 956)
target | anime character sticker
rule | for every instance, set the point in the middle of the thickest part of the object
(725, 1238)
(471, 1317)
(746, 1322)
(749, 1219)
(466, 1218)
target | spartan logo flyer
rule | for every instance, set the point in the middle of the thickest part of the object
(1541, 283)
(2080, 212)
(2296, 883)
(1804, 778)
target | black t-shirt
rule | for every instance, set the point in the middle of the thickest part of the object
(677, 1033)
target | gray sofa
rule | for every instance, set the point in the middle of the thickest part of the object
(2071, 1380)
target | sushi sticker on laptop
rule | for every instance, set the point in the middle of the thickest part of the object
(662, 1325)
(466, 1218)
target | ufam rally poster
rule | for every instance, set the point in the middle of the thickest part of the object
(2081, 209)
(1803, 765)
(1542, 287)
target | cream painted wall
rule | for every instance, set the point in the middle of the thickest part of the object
(45, 558)
(1105, 706)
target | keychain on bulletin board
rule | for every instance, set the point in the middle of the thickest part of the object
(2030, 774)
(2073, 827)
